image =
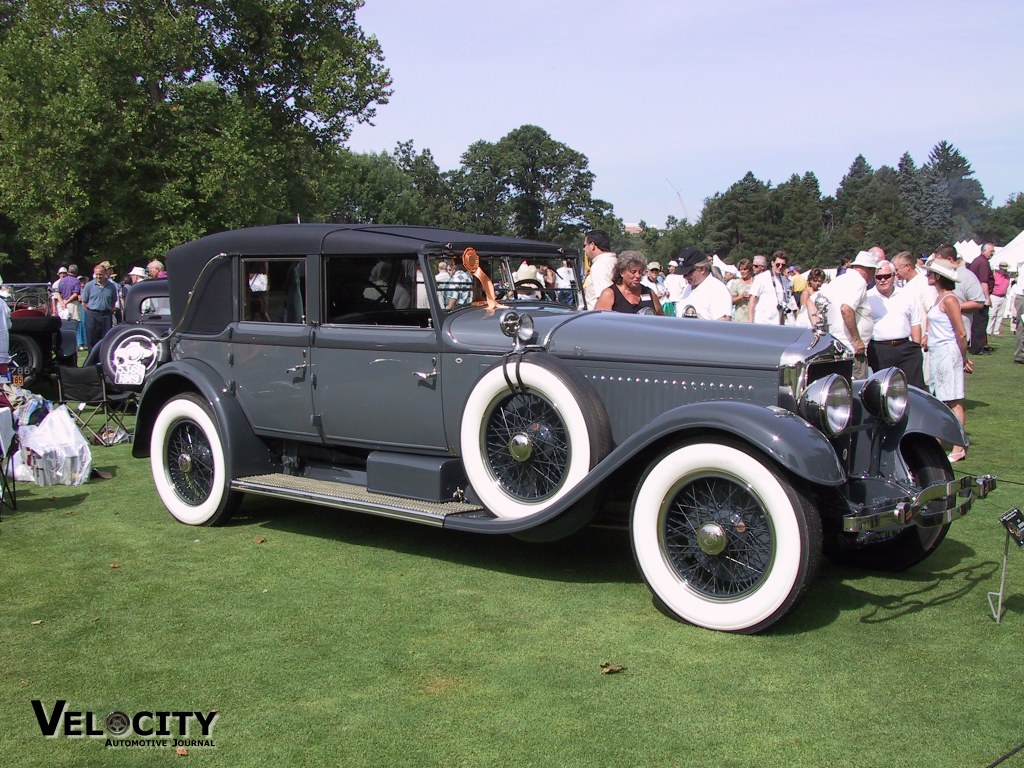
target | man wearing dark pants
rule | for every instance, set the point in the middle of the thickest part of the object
(979, 324)
(896, 335)
(99, 297)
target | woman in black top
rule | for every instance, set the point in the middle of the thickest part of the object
(626, 294)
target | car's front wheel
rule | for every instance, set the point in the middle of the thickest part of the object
(722, 538)
(189, 465)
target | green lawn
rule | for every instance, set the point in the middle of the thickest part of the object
(328, 638)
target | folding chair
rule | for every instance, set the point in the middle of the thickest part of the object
(100, 408)
(8, 447)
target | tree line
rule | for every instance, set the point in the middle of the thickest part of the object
(129, 126)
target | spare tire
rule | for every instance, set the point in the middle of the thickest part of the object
(26, 354)
(129, 354)
(523, 450)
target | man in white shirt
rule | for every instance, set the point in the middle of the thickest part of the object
(896, 332)
(771, 293)
(849, 315)
(596, 247)
(705, 297)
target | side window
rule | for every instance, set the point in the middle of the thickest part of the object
(274, 290)
(375, 290)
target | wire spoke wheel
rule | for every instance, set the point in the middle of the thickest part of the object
(717, 537)
(723, 538)
(527, 446)
(190, 462)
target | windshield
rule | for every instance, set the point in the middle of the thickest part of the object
(515, 278)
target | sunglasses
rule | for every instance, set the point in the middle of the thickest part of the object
(887, 276)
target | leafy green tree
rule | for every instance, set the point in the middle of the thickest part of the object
(130, 125)
(370, 189)
(436, 198)
(1001, 225)
(527, 184)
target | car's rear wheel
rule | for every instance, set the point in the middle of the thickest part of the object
(524, 449)
(189, 465)
(25, 353)
(899, 550)
(722, 538)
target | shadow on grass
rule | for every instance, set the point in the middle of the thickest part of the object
(600, 555)
(948, 576)
(596, 555)
(38, 501)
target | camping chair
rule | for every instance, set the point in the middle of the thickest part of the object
(100, 408)
(8, 447)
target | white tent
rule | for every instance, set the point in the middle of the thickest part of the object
(1012, 253)
(967, 250)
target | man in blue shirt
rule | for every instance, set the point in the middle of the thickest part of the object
(99, 297)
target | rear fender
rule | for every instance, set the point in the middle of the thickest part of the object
(245, 452)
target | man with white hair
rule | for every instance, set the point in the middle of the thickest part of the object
(896, 327)
(849, 314)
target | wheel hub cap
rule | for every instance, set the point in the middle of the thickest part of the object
(184, 463)
(520, 446)
(711, 538)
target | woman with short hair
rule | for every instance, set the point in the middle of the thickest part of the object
(626, 293)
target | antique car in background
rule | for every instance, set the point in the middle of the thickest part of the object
(38, 342)
(328, 364)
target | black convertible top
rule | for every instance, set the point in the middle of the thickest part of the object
(185, 263)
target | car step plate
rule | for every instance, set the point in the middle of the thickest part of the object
(349, 496)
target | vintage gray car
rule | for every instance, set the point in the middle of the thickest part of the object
(329, 364)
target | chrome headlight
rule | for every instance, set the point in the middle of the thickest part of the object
(885, 395)
(828, 404)
(517, 326)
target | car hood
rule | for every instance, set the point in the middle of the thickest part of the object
(632, 338)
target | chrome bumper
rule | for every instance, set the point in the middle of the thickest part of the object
(958, 496)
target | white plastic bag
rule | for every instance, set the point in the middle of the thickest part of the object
(58, 452)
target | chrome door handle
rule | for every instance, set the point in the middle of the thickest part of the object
(423, 375)
(297, 368)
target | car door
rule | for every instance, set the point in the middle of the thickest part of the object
(375, 356)
(270, 349)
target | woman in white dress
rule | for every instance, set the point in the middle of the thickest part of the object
(946, 344)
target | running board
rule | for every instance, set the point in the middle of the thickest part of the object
(350, 496)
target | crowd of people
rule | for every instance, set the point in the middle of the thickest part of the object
(924, 315)
(92, 307)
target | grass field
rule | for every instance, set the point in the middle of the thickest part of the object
(329, 638)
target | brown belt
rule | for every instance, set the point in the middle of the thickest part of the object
(891, 342)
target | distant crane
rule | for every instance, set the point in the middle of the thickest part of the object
(686, 215)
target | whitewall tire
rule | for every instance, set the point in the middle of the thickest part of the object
(524, 450)
(188, 461)
(722, 538)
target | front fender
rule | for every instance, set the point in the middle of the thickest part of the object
(927, 415)
(783, 436)
(245, 452)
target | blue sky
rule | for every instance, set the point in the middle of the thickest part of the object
(674, 100)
